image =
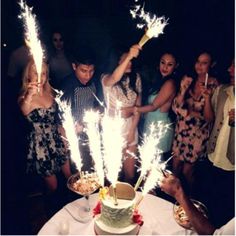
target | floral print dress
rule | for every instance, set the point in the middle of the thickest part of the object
(47, 152)
(192, 130)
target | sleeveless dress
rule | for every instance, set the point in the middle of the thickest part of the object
(47, 152)
(114, 94)
(191, 131)
(155, 116)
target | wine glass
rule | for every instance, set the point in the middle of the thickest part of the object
(84, 184)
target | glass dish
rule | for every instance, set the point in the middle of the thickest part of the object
(180, 216)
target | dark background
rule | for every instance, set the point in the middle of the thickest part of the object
(193, 25)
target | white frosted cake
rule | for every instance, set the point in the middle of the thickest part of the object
(117, 219)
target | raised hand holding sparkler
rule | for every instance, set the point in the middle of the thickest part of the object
(31, 37)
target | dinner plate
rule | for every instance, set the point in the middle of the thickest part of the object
(180, 216)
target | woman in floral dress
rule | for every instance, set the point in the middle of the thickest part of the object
(47, 151)
(194, 113)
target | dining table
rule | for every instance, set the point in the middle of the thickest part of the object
(157, 216)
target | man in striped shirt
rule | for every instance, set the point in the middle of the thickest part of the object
(79, 90)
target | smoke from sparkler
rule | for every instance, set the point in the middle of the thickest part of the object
(31, 36)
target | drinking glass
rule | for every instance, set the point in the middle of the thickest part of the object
(84, 184)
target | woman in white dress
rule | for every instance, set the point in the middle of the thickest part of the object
(124, 86)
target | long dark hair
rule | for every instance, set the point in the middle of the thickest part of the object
(116, 53)
(158, 82)
(132, 82)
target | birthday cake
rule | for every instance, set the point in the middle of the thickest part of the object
(120, 218)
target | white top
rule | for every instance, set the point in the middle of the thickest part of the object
(114, 96)
(218, 157)
(157, 215)
(227, 229)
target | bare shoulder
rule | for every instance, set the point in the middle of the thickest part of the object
(169, 85)
(105, 79)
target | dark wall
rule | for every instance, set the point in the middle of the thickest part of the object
(193, 24)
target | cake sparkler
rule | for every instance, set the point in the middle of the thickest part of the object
(148, 149)
(71, 136)
(91, 119)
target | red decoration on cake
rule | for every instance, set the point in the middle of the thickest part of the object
(137, 218)
(97, 209)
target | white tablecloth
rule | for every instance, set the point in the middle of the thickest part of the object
(157, 215)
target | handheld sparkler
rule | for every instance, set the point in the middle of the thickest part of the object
(31, 37)
(154, 24)
(206, 80)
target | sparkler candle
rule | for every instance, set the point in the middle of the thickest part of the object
(31, 37)
(113, 144)
(91, 118)
(69, 126)
(152, 179)
(149, 150)
(206, 80)
(154, 24)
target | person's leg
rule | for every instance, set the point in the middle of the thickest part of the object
(129, 164)
(51, 183)
(188, 172)
(66, 169)
(51, 205)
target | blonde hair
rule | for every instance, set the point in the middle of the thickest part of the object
(25, 77)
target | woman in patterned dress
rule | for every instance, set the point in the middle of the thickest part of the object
(47, 153)
(124, 86)
(192, 106)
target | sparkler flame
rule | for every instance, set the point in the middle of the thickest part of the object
(31, 36)
(152, 179)
(69, 126)
(92, 118)
(113, 144)
(149, 151)
(155, 25)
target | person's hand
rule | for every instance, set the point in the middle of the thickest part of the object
(206, 91)
(185, 83)
(127, 111)
(134, 51)
(33, 88)
(61, 131)
(170, 185)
